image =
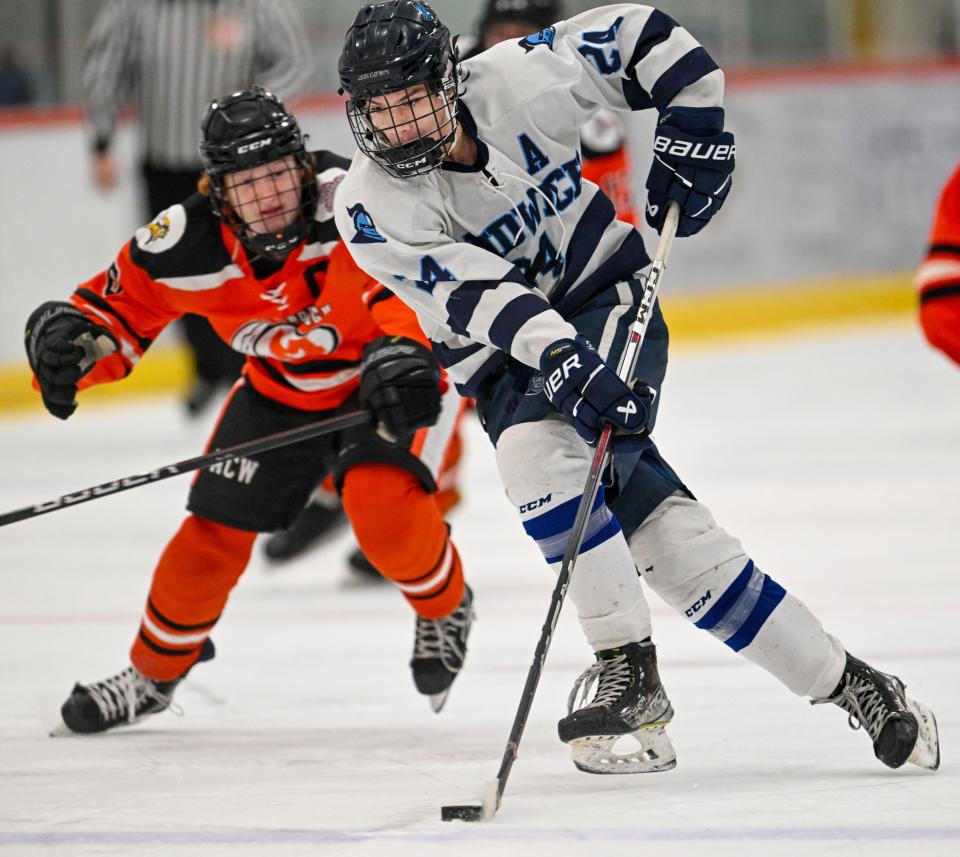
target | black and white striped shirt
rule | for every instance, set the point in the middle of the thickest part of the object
(172, 57)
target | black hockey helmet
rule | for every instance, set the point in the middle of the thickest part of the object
(243, 130)
(537, 13)
(390, 47)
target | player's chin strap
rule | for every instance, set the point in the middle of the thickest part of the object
(493, 790)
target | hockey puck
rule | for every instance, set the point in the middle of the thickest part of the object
(461, 813)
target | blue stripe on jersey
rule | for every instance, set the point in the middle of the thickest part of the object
(514, 316)
(685, 71)
(471, 387)
(655, 32)
(741, 611)
(551, 530)
(597, 216)
(464, 299)
(622, 264)
(448, 356)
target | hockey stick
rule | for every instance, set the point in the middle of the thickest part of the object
(493, 789)
(250, 447)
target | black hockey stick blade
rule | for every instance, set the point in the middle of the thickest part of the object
(341, 422)
(470, 812)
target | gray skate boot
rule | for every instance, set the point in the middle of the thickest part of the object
(902, 729)
(629, 700)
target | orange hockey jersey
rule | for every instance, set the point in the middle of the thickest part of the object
(302, 329)
(938, 278)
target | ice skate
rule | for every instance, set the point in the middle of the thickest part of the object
(120, 700)
(439, 649)
(902, 729)
(629, 701)
(316, 523)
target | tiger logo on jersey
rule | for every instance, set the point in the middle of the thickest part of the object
(298, 338)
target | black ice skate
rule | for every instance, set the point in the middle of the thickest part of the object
(315, 524)
(120, 700)
(439, 649)
(902, 729)
(629, 700)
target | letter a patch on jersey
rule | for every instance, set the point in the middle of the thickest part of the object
(363, 223)
(533, 155)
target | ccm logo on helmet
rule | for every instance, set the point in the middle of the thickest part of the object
(252, 147)
(700, 151)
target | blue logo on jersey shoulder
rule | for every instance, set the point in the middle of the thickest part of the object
(363, 223)
(544, 37)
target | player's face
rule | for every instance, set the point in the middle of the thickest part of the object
(409, 114)
(266, 197)
(503, 31)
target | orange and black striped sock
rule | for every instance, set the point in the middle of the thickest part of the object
(401, 530)
(191, 583)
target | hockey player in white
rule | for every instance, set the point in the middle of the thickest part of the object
(466, 198)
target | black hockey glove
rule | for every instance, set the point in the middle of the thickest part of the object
(400, 385)
(693, 158)
(60, 354)
(588, 393)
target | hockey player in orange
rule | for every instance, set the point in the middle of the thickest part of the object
(938, 278)
(257, 252)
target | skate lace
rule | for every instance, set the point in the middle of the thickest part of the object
(119, 696)
(864, 704)
(614, 678)
(443, 638)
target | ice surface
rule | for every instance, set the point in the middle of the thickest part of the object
(836, 459)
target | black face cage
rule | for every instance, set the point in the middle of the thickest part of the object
(378, 130)
(252, 233)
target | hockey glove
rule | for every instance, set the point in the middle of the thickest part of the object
(60, 353)
(400, 385)
(693, 158)
(588, 393)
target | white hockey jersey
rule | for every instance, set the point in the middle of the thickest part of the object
(493, 257)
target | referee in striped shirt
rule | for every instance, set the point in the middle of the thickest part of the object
(169, 58)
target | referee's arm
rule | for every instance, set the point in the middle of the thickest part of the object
(108, 72)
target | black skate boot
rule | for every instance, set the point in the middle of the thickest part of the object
(439, 649)
(902, 730)
(629, 700)
(314, 524)
(120, 700)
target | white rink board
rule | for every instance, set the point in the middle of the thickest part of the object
(834, 458)
(836, 176)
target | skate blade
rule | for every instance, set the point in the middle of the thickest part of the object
(926, 752)
(593, 754)
(437, 700)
